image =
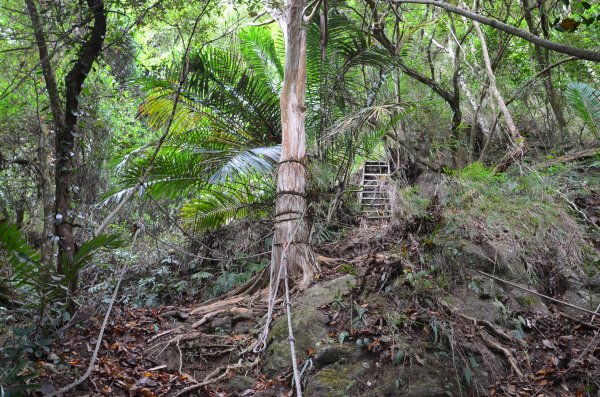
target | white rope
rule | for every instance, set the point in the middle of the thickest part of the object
(288, 309)
(261, 343)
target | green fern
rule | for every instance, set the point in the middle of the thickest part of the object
(585, 100)
(22, 259)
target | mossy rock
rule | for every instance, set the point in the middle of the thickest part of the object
(310, 325)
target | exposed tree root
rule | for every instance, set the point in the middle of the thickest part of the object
(176, 340)
(493, 345)
(218, 374)
(255, 284)
(219, 306)
(164, 333)
(208, 316)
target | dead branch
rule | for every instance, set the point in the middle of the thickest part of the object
(537, 293)
(493, 345)
(578, 321)
(567, 158)
(88, 372)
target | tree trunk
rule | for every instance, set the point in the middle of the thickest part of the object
(46, 194)
(518, 142)
(291, 246)
(541, 58)
(65, 140)
(65, 124)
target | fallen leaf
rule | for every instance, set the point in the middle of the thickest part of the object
(548, 344)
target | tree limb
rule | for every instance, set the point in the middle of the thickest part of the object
(551, 45)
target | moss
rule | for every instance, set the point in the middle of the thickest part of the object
(526, 300)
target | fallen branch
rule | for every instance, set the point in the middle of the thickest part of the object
(578, 321)
(88, 372)
(567, 158)
(597, 312)
(537, 293)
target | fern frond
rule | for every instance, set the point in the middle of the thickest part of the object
(585, 100)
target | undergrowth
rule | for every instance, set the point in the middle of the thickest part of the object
(525, 217)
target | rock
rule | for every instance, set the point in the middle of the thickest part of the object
(325, 292)
(277, 392)
(53, 358)
(363, 379)
(581, 298)
(336, 380)
(469, 304)
(223, 322)
(309, 323)
(490, 257)
(238, 384)
(244, 327)
(528, 301)
(431, 183)
(331, 354)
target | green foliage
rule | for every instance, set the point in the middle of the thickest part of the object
(19, 351)
(233, 277)
(477, 172)
(585, 100)
(524, 216)
(29, 279)
(91, 247)
(19, 260)
(225, 137)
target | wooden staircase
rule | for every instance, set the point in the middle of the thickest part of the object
(374, 197)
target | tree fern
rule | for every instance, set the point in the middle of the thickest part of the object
(227, 127)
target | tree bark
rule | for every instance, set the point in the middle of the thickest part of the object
(46, 63)
(46, 194)
(65, 139)
(291, 246)
(65, 123)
